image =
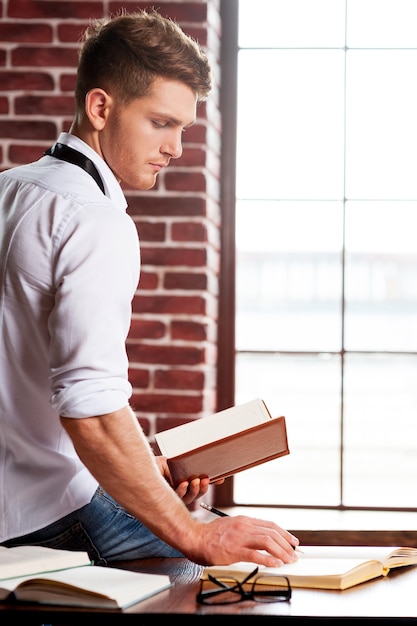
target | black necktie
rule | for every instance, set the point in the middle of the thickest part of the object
(65, 153)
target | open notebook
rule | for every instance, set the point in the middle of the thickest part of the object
(327, 567)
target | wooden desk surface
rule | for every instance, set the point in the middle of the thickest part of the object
(386, 600)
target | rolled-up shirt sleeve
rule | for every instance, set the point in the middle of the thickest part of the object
(96, 273)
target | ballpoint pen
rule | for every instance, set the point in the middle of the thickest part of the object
(210, 508)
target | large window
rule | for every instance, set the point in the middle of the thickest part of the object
(326, 247)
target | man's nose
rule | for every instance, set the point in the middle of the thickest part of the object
(173, 147)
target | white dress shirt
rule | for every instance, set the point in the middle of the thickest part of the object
(69, 268)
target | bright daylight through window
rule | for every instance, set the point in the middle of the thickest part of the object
(326, 223)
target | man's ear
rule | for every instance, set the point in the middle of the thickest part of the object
(97, 107)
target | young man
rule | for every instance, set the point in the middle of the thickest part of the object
(76, 471)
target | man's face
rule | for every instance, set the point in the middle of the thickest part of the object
(139, 139)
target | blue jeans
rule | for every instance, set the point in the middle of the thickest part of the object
(104, 530)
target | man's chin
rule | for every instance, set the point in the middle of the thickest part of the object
(147, 183)
(141, 185)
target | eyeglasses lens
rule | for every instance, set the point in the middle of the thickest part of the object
(280, 591)
(211, 593)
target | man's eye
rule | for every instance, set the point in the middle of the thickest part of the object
(159, 124)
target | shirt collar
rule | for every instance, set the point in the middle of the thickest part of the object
(111, 185)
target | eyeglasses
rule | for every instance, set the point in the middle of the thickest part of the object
(229, 591)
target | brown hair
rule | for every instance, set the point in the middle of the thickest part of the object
(124, 54)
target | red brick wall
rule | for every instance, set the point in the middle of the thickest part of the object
(172, 343)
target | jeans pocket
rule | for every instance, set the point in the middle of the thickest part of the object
(74, 537)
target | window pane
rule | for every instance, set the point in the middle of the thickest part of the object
(381, 23)
(381, 124)
(292, 23)
(380, 460)
(289, 275)
(326, 260)
(306, 389)
(290, 124)
(381, 276)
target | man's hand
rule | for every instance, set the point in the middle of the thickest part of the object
(241, 538)
(188, 491)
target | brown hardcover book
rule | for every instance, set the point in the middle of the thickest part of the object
(224, 443)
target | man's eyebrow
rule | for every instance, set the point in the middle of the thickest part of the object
(173, 120)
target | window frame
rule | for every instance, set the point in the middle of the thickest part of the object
(227, 304)
(229, 12)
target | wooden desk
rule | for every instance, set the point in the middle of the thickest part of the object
(388, 600)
